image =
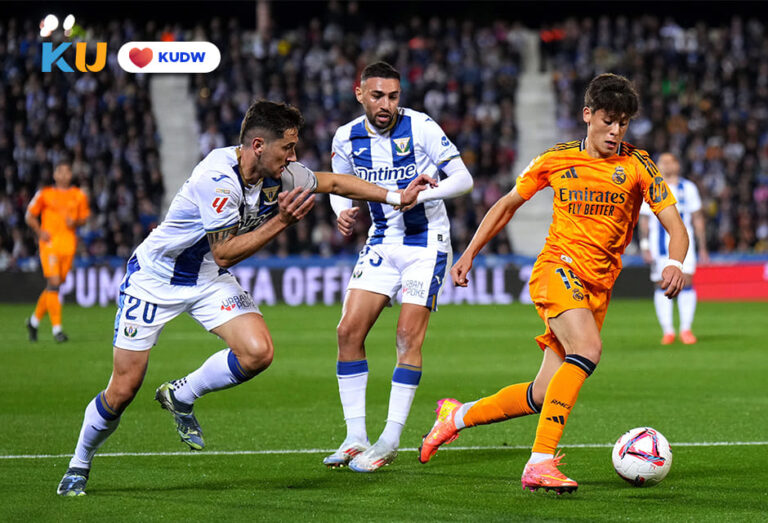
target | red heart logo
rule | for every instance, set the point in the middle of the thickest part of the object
(140, 57)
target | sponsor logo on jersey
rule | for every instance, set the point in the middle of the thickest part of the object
(619, 176)
(219, 203)
(386, 174)
(414, 288)
(359, 151)
(219, 178)
(566, 259)
(571, 173)
(240, 301)
(130, 331)
(402, 146)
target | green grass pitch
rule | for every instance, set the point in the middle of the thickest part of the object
(712, 392)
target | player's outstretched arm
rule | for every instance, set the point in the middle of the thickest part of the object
(356, 189)
(458, 182)
(493, 221)
(228, 248)
(672, 280)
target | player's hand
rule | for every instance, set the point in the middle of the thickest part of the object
(409, 195)
(647, 258)
(44, 236)
(672, 281)
(460, 270)
(294, 205)
(346, 220)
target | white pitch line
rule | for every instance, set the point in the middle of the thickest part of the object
(409, 449)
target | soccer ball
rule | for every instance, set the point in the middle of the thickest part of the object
(642, 457)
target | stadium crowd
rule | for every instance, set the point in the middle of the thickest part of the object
(101, 121)
(704, 91)
(464, 76)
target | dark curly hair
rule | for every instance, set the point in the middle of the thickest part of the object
(270, 119)
(613, 93)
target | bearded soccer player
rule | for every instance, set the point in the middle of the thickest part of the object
(654, 243)
(406, 253)
(54, 214)
(236, 200)
(599, 185)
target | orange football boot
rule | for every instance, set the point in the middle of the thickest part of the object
(546, 475)
(443, 431)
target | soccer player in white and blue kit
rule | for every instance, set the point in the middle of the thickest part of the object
(654, 244)
(406, 253)
(236, 200)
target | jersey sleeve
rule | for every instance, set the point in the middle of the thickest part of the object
(436, 144)
(340, 161)
(35, 206)
(656, 193)
(297, 174)
(83, 210)
(533, 178)
(218, 199)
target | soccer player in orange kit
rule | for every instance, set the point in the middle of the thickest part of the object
(599, 185)
(54, 213)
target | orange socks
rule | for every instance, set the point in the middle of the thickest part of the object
(561, 396)
(510, 402)
(54, 307)
(42, 305)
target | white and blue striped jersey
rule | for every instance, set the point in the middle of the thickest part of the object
(415, 145)
(688, 202)
(213, 198)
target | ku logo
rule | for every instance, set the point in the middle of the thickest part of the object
(359, 151)
(402, 146)
(53, 56)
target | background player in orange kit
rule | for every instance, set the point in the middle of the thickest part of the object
(54, 213)
(599, 185)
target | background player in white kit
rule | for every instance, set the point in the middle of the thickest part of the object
(390, 146)
(654, 243)
(236, 200)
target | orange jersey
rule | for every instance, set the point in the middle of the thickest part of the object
(596, 205)
(54, 206)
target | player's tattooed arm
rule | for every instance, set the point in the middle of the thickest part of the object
(216, 238)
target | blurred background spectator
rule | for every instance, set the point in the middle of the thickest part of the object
(704, 91)
(102, 121)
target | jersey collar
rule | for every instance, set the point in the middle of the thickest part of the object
(583, 146)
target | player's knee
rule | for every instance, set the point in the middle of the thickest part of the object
(348, 336)
(591, 350)
(256, 353)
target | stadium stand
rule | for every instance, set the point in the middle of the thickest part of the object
(102, 121)
(705, 94)
(464, 76)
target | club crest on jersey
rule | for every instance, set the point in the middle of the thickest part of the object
(130, 331)
(577, 295)
(270, 194)
(619, 176)
(402, 146)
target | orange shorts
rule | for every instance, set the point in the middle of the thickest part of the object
(555, 288)
(54, 262)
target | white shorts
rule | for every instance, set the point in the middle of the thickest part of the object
(419, 271)
(658, 264)
(145, 305)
